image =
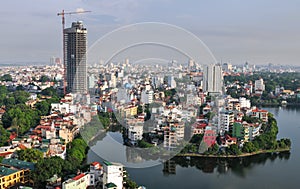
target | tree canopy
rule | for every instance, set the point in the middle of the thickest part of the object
(30, 155)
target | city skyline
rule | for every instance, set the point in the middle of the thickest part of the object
(257, 32)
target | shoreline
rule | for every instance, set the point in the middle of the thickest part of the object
(234, 156)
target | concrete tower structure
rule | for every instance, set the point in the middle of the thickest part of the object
(212, 79)
(75, 57)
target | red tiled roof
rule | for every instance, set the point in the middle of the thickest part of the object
(200, 125)
(258, 110)
(95, 164)
(22, 147)
(2, 111)
(3, 154)
(12, 136)
(79, 176)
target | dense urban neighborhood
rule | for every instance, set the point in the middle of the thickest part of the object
(45, 134)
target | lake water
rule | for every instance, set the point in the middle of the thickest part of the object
(261, 171)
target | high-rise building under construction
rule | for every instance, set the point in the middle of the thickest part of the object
(75, 39)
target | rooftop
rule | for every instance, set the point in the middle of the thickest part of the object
(18, 163)
(110, 185)
(4, 171)
(107, 163)
(79, 176)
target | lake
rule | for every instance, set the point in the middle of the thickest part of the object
(261, 171)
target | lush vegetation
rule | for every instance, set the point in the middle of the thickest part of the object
(143, 144)
(268, 139)
(47, 167)
(6, 77)
(290, 81)
(4, 136)
(193, 145)
(18, 115)
(265, 142)
(129, 184)
(30, 155)
(21, 118)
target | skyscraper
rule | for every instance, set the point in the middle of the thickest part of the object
(212, 79)
(75, 57)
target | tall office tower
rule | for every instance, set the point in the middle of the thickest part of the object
(212, 79)
(75, 57)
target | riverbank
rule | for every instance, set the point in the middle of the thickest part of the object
(234, 156)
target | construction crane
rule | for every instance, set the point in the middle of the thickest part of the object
(62, 14)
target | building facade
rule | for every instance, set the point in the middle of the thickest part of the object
(75, 39)
(212, 79)
(113, 174)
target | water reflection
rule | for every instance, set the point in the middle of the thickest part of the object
(237, 166)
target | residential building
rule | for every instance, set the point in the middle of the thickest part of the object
(147, 96)
(259, 86)
(261, 114)
(129, 111)
(212, 79)
(81, 181)
(209, 137)
(173, 134)
(198, 128)
(135, 129)
(227, 67)
(113, 173)
(226, 120)
(10, 177)
(13, 172)
(244, 103)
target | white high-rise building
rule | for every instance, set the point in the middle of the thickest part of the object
(259, 86)
(135, 129)
(171, 82)
(226, 120)
(113, 81)
(212, 79)
(113, 174)
(147, 96)
(245, 103)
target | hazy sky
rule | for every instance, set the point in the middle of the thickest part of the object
(257, 31)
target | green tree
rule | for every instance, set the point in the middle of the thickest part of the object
(9, 102)
(197, 138)
(43, 108)
(50, 91)
(6, 77)
(4, 136)
(21, 117)
(30, 155)
(249, 147)
(234, 149)
(129, 184)
(105, 121)
(144, 144)
(45, 169)
(44, 79)
(21, 97)
(3, 94)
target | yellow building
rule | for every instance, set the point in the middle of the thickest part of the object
(9, 177)
(13, 171)
(130, 111)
